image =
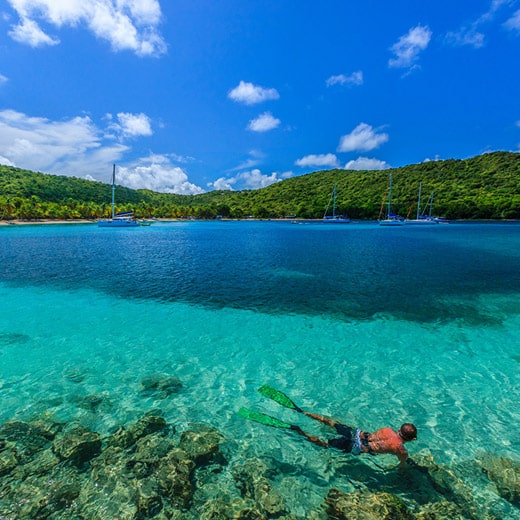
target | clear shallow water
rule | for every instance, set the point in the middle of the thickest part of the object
(371, 325)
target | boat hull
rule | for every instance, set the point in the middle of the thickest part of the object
(391, 222)
(118, 223)
(336, 220)
(420, 222)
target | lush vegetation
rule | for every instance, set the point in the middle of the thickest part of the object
(487, 186)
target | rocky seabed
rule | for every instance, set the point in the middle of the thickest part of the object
(50, 469)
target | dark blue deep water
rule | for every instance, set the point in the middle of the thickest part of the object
(350, 272)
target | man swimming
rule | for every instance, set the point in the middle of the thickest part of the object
(356, 441)
(352, 440)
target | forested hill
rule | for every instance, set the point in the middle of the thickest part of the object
(486, 186)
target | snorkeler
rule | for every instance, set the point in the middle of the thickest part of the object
(352, 440)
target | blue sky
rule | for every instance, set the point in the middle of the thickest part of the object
(188, 96)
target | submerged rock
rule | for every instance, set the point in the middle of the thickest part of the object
(440, 511)
(42, 463)
(147, 425)
(8, 459)
(202, 443)
(91, 402)
(109, 498)
(77, 444)
(13, 338)
(29, 437)
(366, 506)
(254, 485)
(161, 385)
(41, 496)
(505, 474)
(75, 374)
(222, 507)
(175, 476)
(121, 438)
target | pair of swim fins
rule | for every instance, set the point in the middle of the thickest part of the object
(262, 418)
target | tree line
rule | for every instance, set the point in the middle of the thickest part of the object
(482, 187)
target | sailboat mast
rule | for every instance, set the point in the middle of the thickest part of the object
(334, 203)
(419, 202)
(389, 196)
(113, 190)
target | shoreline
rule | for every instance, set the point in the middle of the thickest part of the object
(33, 222)
(44, 221)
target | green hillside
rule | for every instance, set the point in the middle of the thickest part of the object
(486, 186)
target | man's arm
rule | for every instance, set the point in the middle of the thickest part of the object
(402, 455)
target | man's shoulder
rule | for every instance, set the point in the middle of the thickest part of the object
(386, 432)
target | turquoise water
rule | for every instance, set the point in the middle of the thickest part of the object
(374, 326)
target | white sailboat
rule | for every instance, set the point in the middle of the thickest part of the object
(334, 219)
(422, 219)
(120, 220)
(391, 219)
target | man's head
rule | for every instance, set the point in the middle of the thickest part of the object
(408, 432)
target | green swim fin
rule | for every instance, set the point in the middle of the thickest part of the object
(262, 418)
(279, 397)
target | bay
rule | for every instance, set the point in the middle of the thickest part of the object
(373, 326)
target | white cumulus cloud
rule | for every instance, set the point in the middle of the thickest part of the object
(251, 180)
(356, 78)
(250, 94)
(263, 123)
(126, 24)
(157, 173)
(328, 159)
(409, 46)
(363, 138)
(366, 163)
(72, 146)
(77, 146)
(131, 125)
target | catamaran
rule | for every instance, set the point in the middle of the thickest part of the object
(123, 219)
(334, 219)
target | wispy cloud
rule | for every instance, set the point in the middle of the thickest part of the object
(319, 160)
(3, 79)
(250, 94)
(30, 33)
(263, 123)
(466, 36)
(356, 78)
(472, 33)
(513, 23)
(254, 159)
(252, 180)
(409, 46)
(125, 24)
(365, 163)
(77, 146)
(363, 138)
